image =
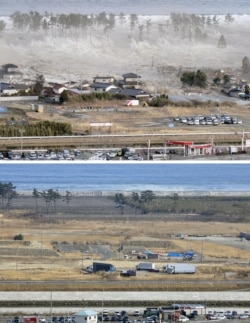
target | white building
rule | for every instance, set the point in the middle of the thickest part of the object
(86, 316)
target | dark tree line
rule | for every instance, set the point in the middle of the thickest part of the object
(41, 128)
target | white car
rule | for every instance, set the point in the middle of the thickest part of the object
(136, 313)
(183, 318)
(243, 316)
(221, 317)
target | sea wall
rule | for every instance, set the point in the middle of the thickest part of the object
(157, 193)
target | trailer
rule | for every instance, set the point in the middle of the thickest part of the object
(147, 266)
(100, 266)
(179, 269)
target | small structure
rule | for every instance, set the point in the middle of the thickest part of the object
(86, 316)
(191, 149)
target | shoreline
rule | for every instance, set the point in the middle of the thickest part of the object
(100, 193)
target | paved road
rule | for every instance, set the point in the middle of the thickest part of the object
(195, 297)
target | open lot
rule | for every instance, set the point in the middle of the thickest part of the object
(60, 248)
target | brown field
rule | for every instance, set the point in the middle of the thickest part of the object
(59, 249)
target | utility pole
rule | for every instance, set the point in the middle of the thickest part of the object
(21, 139)
(148, 144)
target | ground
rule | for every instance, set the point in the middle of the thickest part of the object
(56, 247)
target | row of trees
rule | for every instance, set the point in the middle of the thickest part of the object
(51, 197)
(7, 194)
(33, 20)
(140, 201)
(184, 26)
(41, 128)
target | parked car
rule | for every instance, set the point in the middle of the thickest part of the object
(243, 316)
(105, 313)
(136, 313)
(183, 318)
(211, 317)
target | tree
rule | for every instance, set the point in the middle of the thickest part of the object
(64, 97)
(226, 79)
(38, 86)
(7, 193)
(216, 80)
(120, 201)
(67, 198)
(146, 197)
(188, 78)
(247, 89)
(136, 200)
(222, 42)
(200, 79)
(36, 196)
(245, 65)
(50, 196)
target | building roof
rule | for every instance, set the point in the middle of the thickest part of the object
(134, 93)
(103, 77)
(100, 85)
(131, 75)
(6, 66)
(86, 312)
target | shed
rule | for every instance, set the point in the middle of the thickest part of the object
(86, 316)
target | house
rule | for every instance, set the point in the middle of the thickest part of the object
(9, 68)
(134, 93)
(11, 89)
(104, 79)
(86, 316)
(101, 87)
(10, 73)
(49, 95)
(59, 88)
(3, 86)
(130, 80)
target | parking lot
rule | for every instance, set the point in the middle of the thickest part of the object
(148, 315)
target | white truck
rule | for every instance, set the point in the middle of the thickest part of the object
(179, 269)
(147, 266)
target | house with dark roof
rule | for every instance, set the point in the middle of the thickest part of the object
(130, 80)
(101, 87)
(11, 89)
(8, 68)
(10, 73)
